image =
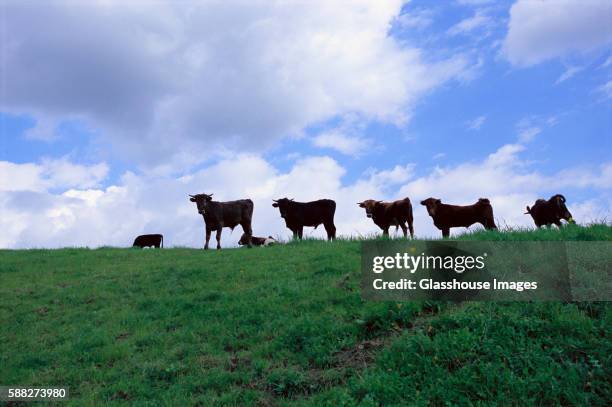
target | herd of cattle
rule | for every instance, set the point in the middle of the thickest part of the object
(297, 215)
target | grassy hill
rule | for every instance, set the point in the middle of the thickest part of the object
(285, 325)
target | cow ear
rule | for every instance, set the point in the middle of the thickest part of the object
(291, 199)
(438, 201)
(275, 204)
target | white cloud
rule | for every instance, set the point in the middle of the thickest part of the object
(569, 73)
(439, 156)
(607, 63)
(34, 214)
(527, 134)
(172, 83)
(415, 19)
(606, 89)
(530, 126)
(50, 174)
(478, 20)
(476, 123)
(397, 175)
(545, 29)
(343, 143)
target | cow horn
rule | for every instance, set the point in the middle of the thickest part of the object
(275, 200)
(192, 196)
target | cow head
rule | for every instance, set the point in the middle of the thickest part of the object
(432, 205)
(561, 210)
(368, 205)
(202, 200)
(282, 205)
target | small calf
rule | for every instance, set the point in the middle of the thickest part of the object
(143, 241)
(550, 212)
(256, 241)
(449, 216)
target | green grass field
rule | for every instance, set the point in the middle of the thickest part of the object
(285, 325)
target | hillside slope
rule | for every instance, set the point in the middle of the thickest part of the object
(284, 325)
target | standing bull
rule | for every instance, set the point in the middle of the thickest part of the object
(550, 212)
(386, 214)
(300, 214)
(218, 215)
(449, 216)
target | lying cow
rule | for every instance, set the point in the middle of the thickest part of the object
(218, 215)
(143, 241)
(386, 214)
(257, 241)
(300, 214)
(450, 216)
(550, 212)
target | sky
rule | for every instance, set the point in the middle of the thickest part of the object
(112, 113)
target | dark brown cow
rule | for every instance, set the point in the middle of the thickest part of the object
(218, 215)
(386, 214)
(143, 241)
(300, 214)
(256, 241)
(450, 216)
(550, 212)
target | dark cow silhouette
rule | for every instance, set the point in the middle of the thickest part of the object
(143, 241)
(386, 214)
(550, 212)
(450, 216)
(218, 215)
(256, 241)
(300, 214)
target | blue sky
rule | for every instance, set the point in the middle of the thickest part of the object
(110, 114)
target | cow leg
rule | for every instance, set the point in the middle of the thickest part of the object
(411, 229)
(446, 232)
(558, 223)
(404, 229)
(219, 238)
(331, 231)
(386, 231)
(300, 232)
(207, 239)
(246, 228)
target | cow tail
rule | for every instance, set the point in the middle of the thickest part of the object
(162, 242)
